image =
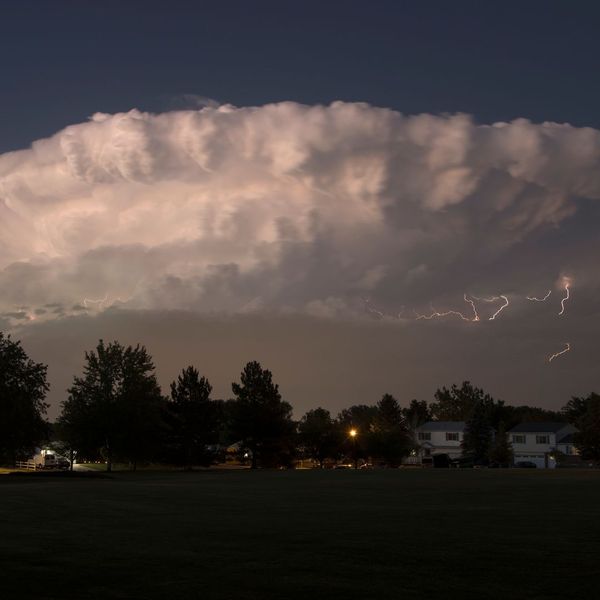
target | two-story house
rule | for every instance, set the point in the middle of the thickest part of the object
(438, 437)
(539, 442)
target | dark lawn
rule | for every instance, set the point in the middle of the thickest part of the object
(306, 534)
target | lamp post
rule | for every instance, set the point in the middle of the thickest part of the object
(353, 433)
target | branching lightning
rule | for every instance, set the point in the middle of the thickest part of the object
(557, 354)
(506, 303)
(534, 299)
(494, 299)
(437, 314)
(475, 315)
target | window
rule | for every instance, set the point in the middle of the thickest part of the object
(518, 439)
(424, 435)
(452, 437)
(542, 439)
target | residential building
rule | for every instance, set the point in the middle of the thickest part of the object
(435, 438)
(539, 442)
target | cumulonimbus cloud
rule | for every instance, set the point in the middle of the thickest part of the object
(279, 207)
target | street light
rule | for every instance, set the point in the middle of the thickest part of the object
(353, 433)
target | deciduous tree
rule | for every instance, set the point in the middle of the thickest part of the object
(587, 439)
(114, 408)
(23, 388)
(319, 435)
(501, 451)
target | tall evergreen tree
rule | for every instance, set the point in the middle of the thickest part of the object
(193, 418)
(477, 439)
(23, 388)
(261, 419)
(389, 440)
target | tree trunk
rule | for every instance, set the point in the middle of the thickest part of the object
(71, 459)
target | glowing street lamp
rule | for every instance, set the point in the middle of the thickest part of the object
(353, 433)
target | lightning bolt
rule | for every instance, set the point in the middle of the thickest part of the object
(475, 315)
(100, 302)
(567, 283)
(566, 349)
(534, 299)
(494, 299)
(371, 310)
(506, 303)
(436, 314)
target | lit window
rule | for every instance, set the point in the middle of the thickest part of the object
(518, 439)
(542, 439)
(452, 437)
(424, 435)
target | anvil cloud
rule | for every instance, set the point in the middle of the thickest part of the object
(283, 207)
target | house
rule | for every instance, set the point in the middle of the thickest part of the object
(437, 438)
(539, 442)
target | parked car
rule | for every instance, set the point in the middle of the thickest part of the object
(525, 464)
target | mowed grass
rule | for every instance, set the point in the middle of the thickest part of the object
(305, 534)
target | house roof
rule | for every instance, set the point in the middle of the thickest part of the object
(442, 426)
(566, 439)
(539, 427)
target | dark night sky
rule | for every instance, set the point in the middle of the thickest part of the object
(62, 61)
(308, 233)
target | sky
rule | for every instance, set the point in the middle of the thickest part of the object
(367, 198)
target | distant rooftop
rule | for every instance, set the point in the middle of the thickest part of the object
(442, 426)
(540, 427)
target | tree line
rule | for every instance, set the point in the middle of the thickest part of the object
(115, 411)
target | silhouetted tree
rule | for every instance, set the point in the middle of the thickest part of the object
(23, 389)
(361, 418)
(193, 418)
(501, 451)
(319, 435)
(575, 408)
(587, 439)
(389, 440)
(114, 407)
(477, 439)
(513, 415)
(459, 403)
(417, 413)
(261, 419)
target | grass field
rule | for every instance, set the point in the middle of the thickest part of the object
(306, 534)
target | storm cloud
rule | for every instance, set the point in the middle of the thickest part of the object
(346, 212)
(282, 207)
